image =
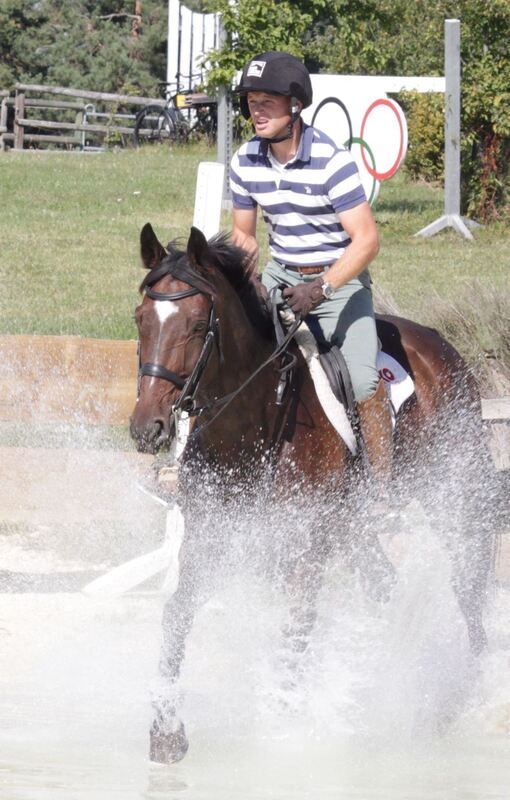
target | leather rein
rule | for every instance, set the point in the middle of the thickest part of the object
(189, 386)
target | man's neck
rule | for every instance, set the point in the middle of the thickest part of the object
(285, 151)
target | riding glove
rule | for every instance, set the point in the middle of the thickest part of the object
(304, 297)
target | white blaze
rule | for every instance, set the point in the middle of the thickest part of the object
(165, 309)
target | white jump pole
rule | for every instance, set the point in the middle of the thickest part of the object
(452, 217)
(208, 197)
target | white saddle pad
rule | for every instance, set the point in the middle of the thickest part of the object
(397, 381)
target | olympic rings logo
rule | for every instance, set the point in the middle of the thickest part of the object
(382, 131)
(383, 176)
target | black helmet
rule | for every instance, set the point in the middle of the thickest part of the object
(275, 72)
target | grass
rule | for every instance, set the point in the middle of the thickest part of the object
(70, 223)
(69, 260)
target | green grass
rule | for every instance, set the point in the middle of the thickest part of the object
(416, 269)
(69, 232)
(70, 226)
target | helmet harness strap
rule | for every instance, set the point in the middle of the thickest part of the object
(295, 115)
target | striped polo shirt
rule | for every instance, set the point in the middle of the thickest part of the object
(299, 200)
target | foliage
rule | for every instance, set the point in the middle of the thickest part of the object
(90, 45)
(254, 27)
(425, 123)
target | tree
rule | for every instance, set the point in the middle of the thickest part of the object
(254, 27)
(85, 44)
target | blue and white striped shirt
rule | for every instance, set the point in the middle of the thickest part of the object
(299, 200)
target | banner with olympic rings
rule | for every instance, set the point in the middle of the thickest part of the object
(352, 112)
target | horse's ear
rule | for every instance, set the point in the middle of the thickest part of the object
(151, 249)
(198, 248)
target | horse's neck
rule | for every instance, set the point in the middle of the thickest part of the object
(248, 423)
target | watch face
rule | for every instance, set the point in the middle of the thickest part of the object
(327, 290)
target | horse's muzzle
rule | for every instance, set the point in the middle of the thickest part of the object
(151, 436)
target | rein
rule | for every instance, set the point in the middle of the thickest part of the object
(189, 386)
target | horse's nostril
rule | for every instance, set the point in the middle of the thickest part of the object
(159, 428)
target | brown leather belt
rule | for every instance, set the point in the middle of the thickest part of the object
(306, 270)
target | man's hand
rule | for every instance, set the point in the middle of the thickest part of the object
(304, 297)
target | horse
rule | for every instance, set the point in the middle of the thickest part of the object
(207, 343)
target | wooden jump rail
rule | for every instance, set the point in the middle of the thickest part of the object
(93, 381)
(19, 136)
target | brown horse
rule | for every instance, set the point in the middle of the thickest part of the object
(206, 343)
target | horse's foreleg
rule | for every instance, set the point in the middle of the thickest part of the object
(168, 741)
(472, 563)
(303, 580)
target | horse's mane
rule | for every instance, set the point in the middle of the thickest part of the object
(228, 259)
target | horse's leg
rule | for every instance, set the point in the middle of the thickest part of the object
(457, 501)
(168, 741)
(472, 562)
(302, 582)
(471, 540)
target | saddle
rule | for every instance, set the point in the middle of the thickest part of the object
(337, 373)
(327, 365)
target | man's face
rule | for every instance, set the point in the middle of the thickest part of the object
(270, 113)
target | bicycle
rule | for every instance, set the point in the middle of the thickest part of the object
(156, 124)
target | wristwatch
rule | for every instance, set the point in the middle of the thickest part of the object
(327, 290)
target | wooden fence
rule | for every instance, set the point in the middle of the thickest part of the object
(91, 381)
(67, 378)
(26, 124)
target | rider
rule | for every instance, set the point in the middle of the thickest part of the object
(322, 234)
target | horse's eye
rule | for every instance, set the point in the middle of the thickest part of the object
(199, 327)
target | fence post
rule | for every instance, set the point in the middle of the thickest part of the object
(3, 119)
(451, 217)
(19, 113)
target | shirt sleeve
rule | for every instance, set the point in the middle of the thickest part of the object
(240, 195)
(343, 184)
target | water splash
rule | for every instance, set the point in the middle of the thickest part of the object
(389, 703)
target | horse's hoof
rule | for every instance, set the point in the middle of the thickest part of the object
(168, 748)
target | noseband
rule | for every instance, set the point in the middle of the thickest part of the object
(188, 385)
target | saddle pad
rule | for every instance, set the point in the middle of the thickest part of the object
(399, 384)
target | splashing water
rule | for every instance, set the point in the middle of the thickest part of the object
(390, 703)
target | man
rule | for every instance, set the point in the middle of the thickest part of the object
(322, 234)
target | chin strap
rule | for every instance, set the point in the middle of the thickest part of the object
(290, 128)
(288, 135)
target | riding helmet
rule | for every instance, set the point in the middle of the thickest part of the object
(275, 72)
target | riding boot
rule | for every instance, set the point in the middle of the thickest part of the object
(376, 430)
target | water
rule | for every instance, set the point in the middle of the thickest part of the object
(390, 706)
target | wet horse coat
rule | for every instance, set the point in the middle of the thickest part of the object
(244, 439)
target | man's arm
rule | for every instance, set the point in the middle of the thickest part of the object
(244, 227)
(359, 223)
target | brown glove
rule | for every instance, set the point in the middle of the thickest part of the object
(304, 297)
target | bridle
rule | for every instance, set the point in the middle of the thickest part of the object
(189, 386)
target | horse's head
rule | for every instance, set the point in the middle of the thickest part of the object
(186, 294)
(176, 324)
